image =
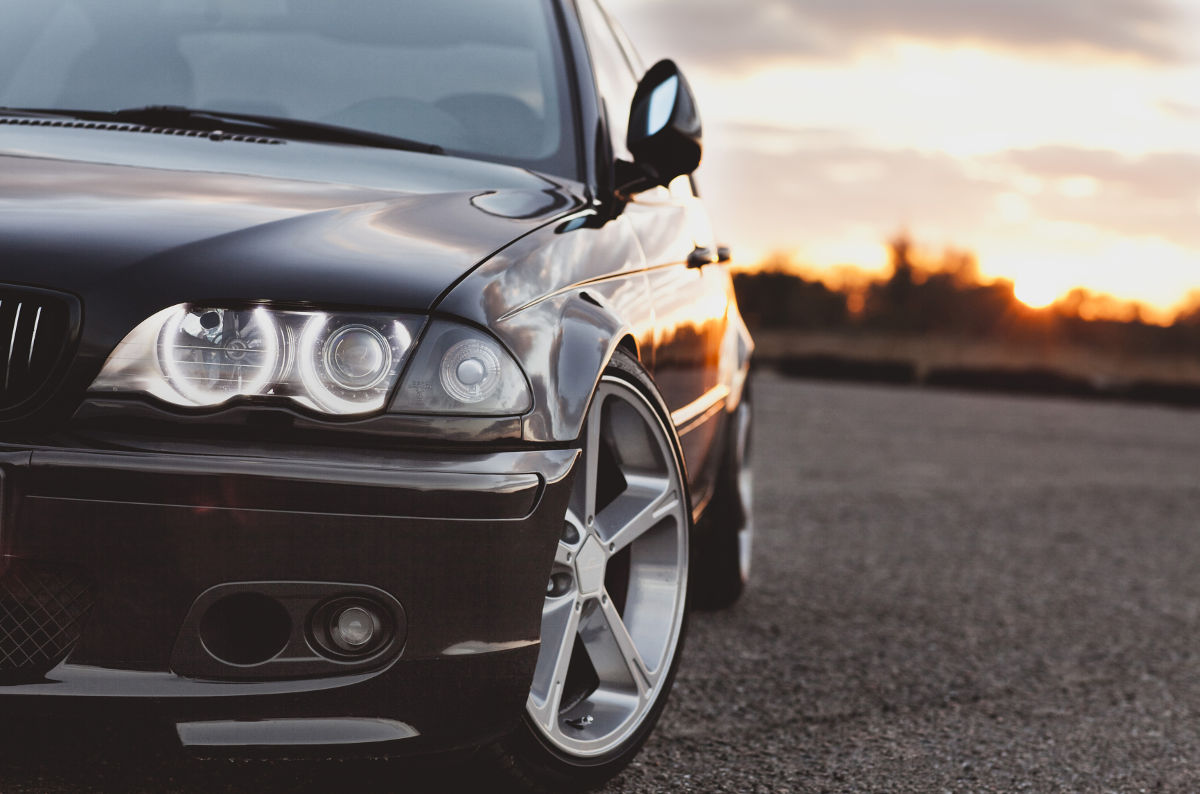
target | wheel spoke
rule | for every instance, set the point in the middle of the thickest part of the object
(612, 650)
(644, 503)
(560, 624)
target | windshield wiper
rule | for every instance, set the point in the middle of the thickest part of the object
(220, 121)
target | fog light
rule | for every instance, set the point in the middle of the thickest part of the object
(354, 628)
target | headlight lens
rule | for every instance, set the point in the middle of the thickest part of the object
(198, 356)
(211, 355)
(339, 363)
(349, 365)
(459, 369)
(471, 371)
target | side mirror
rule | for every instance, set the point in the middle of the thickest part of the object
(664, 131)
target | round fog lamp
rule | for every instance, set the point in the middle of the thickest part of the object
(354, 628)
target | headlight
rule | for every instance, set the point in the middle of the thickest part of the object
(340, 363)
(197, 356)
(459, 369)
(211, 355)
(348, 366)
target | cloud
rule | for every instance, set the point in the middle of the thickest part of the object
(1140, 27)
(737, 33)
(1169, 176)
(773, 197)
(1152, 195)
(770, 188)
(1180, 110)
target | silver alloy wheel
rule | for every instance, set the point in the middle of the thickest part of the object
(615, 600)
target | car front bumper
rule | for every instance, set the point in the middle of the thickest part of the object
(457, 545)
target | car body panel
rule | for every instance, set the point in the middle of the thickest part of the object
(455, 517)
(150, 235)
(153, 233)
(601, 297)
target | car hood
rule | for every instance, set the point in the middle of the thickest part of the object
(133, 222)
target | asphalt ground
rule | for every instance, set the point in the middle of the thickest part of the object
(951, 592)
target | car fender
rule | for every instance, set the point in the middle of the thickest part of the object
(562, 299)
(565, 366)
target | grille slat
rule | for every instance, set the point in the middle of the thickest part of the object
(37, 325)
(33, 339)
(12, 343)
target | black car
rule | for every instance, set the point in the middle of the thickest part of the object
(369, 378)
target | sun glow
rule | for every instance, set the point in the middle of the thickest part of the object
(959, 132)
(1036, 294)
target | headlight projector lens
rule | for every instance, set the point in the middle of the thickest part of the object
(357, 357)
(471, 371)
(348, 364)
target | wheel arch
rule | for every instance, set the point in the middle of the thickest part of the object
(564, 369)
(629, 344)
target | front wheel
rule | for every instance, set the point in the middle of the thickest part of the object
(616, 599)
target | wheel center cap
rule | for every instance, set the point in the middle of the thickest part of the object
(589, 567)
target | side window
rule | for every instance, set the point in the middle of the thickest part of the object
(614, 75)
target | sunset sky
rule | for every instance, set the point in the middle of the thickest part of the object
(1057, 139)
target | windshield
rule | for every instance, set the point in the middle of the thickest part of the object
(475, 77)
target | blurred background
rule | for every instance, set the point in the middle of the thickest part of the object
(954, 589)
(1001, 193)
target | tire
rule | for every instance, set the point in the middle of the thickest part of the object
(725, 538)
(615, 616)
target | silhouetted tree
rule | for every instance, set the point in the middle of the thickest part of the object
(782, 300)
(944, 295)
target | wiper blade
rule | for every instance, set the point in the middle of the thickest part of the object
(218, 120)
(35, 113)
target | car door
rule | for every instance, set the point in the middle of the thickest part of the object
(689, 291)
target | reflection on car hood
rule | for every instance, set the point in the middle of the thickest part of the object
(145, 221)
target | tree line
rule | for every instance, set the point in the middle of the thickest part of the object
(946, 297)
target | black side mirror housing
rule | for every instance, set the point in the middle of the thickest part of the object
(664, 131)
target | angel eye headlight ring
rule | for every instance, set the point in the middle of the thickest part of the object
(347, 364)
(338, 363)
(210, 355)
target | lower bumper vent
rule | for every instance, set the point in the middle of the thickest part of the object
(42, 611)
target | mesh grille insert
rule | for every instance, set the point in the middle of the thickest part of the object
(42, 611)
